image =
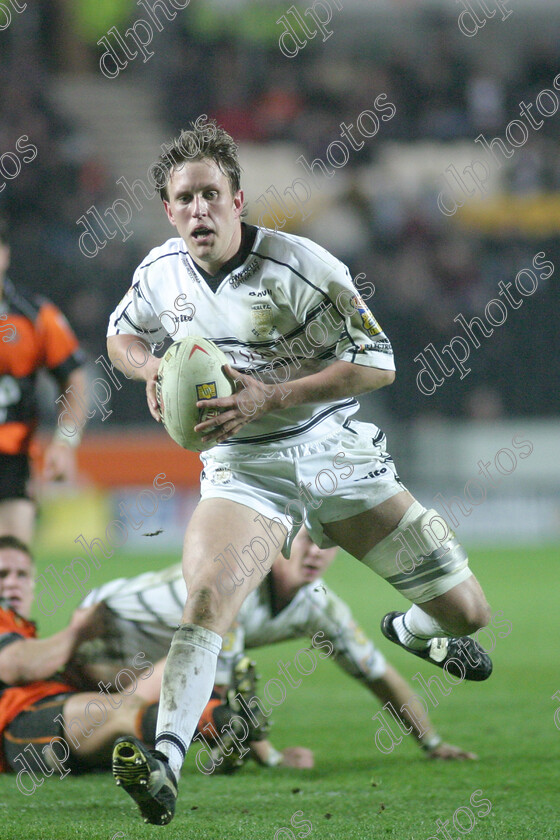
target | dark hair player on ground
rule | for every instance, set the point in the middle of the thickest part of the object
(289, 419)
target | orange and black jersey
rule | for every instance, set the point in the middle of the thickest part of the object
(14, 699)
(35, 335)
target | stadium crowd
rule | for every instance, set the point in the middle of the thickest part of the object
(426, 268)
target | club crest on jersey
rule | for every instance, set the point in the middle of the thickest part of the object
(206, 391)
(369, 323)
(262, 318)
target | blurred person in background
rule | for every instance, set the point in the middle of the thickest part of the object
(34, 336)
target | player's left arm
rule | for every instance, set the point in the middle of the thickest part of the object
(64, 359)
(394, 689)
(60, 454)
(254, 398)
(27, 660)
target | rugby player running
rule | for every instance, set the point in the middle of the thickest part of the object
(288, 422)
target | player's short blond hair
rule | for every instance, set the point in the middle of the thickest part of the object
(204, 139)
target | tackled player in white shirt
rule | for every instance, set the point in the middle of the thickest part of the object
(292, 602)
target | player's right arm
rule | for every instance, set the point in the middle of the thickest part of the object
(134, 328)
(24, 660)
(132, 355)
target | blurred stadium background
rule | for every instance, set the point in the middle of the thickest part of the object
(378, 213)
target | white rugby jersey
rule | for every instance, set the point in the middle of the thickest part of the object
(277, 311)
(146, 610)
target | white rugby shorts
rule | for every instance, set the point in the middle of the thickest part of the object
(313, 483)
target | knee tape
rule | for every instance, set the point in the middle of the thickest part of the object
(422, 557)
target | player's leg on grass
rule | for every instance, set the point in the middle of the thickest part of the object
(17, 519)
(91, 740)
(438, 578)
(190, 669)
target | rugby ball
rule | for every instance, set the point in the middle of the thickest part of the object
(190, 371)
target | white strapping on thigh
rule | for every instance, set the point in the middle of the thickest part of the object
(422, 557)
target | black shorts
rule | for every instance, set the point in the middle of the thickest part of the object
(36, 725)
(14, 477)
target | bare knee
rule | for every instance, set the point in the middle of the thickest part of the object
(463, 610)
(470, 616)
(474, 618)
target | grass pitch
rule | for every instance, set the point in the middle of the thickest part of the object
(355, 792)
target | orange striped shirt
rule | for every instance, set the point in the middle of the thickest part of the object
(34, 335)
(14, 700)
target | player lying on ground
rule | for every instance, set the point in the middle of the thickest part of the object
(35, 336)
(36, 701)
(303, 344)
(291, 602)
(39, 706)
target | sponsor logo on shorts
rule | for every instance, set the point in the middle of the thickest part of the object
(220, 475)
(206, 391)
(181, 319)
(373, 474)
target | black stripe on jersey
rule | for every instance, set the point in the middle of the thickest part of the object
(280, 343)
(126, 317)
(313, 286)
(258, 345)
(139, 628)
(136, 287)
(301, 244)
(163, 256)
(348, 426)
(149, 610)
(294, 430)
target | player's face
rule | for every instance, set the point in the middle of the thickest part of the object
(309, 561)
(17, 580)
(204, 211)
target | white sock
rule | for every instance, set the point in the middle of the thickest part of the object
(187, 684)
(416, 628)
